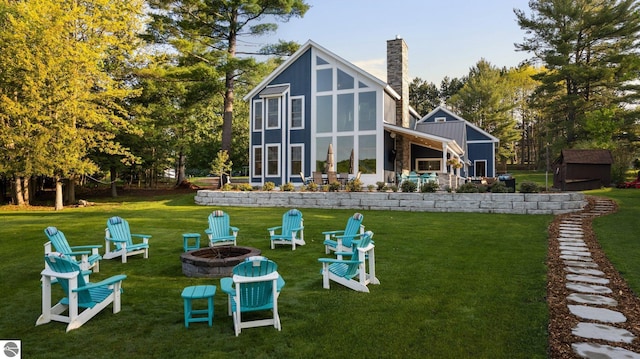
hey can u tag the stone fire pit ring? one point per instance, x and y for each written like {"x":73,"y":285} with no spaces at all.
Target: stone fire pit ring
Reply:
{"x":215,"y":262}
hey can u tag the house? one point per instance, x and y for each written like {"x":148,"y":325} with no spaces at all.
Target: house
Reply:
{"x":316,"y":102}
{"x":578,"y":170}
{"x":478,"y":145}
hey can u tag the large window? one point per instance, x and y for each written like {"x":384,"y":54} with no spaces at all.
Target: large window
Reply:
{"x":345,"y":112}
{"x":297,"y":112}
{"x":257,"y":162}
{"x":296,"y":159}
{"x":345,"y":154}
{"x":324,"y":80}
{"x":428,"y":164}
{"x":273,"y":160}
{"x":273,"y":113}
{"x":324,"y":114}
{"x":367,"y":154}
{"x":257,"y":115}
{"x":367,"y":111}
{"x":322,"y":148}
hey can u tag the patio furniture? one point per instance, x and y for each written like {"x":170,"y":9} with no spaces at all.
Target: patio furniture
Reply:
{"x":255,"y":286}
{"x":86,"y":256}
{"x":187,"y":238}
{"x":118,"y":233}
{"x":83,"y":300}
{"x":189,"y":294}
{"x":291,"y":231}
{"x":317,"y":178}
{"x":352,"y":273}
{"x":340,"y":240}
{"x":332,"y":177}
{"x":220,"y":232}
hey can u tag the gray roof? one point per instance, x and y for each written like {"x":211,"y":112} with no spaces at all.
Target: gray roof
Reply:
{"x":455,"y":130}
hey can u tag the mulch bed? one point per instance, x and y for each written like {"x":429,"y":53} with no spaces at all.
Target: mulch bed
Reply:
{"x":561,"y":321}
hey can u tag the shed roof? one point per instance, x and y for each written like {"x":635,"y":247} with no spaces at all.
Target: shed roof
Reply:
{"x":586,"y":156}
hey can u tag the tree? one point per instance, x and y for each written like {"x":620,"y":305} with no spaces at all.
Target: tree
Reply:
{"x":423,"y":96}
{"x":58,"y":98}
{"x":483,"y":101}
{"x":590,"y":52}
{"x":207,"y":32}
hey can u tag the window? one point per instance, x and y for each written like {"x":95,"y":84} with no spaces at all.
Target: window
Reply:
{"x":324,"y":114}
{"x":296,"y":159}
{"x":297,"y":112}
{"x":345,"y":112}
{"x":345,"y":81}
{"x":367,"y":154}
{"x":428,"y":164}
{"x":273,"y":112}
{"x":273,"y":160}
{"x":257,"y":161}
{"x":322,"y":148}
{"x":344,"y":155}
{"x":440,"y":119}
{"x":367,"y":111}
{"x":324,"y":80}
{"x":257,"y":116}
{"x":480,"y":168}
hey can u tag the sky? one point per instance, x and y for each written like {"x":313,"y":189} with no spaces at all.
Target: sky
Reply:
{"x":444,"y":37}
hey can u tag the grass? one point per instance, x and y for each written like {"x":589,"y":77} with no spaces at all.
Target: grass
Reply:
{"x":453,"y":285}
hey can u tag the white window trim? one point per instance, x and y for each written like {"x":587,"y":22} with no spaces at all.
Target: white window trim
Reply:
{"x":253,"y":163}
{"x":265,"y":157}
{"x":426,"y":159}
{"x":301,"y":98}
{"x":253,"y":117}
{"x":440,"y":119}
{"x":486,"y":168}
{"x":266,"y":113}
{"x":291,"y":146}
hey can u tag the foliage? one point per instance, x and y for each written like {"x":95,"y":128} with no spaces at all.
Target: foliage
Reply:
{"x":312,"y":187}
{"x":408,"y":186}
{"x":354,"y":185}
{"x":381,"y":186}
{"x":334,"y":186}
{"x":529,"y":187}
{"x":499,"y":187}
{"x":429,"y":187}
{"x":269,"y":186}
{"x":393,"y":188}
{"x":370,"y":187}
{"x":244,"y":187}
{"x":468,"y":187}
{"x":426,"y":96}
{"x":227,"y":187}
{"x":288,"y":187}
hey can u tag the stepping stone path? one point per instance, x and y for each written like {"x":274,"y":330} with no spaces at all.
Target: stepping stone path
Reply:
{"x":588,"y":300}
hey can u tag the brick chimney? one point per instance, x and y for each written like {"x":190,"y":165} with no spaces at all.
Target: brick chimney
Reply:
{"x":398,"y":77}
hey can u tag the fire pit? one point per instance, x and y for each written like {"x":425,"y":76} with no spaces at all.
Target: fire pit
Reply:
{"x":215,"y":262}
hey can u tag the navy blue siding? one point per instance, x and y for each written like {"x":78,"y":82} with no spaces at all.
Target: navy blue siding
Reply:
{"x":481,"y":151}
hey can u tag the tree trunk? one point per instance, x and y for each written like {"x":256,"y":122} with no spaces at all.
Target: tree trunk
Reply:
{"x":71,"y":191}
{"x":227,"y":119}
{"x":18,"y":194}
{"x":58,"y":204}
{"x":113,"y":176}
{"x":180,"y":170}
{"x":26,"y":190}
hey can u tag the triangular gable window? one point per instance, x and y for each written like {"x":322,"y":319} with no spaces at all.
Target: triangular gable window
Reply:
{"x":321,"y":61}
{"x":362,"y":85}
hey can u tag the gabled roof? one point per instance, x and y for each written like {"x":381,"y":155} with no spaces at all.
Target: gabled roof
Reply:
{"x":425,"y":138}
{"x":596,"y":157}
{"x":450,"y":113}
{"x":456,"y":130}
{"x":308,"y":45}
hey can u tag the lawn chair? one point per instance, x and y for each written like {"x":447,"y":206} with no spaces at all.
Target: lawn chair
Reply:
{"x":83,"y":300}
{"x":317,"y":178}
{"x":118,"y":233}
{"x":220,"y":232}
{"x":340,"y":240}
{"x":352,"y":273}
{"x":89,"y":259}
{"x":291,"y":230}
{"x":255,"y":286}
{"x":332,"y":177}
{"x":305,"y":180}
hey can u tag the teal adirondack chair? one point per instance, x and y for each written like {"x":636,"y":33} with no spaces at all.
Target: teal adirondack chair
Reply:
{"x":353,"y":272}
{"x":291,"y":231}
{"x":89,"y":258}
{"x":83,"y":300}
{"x":255,"y":286}
{"x":119,"y":234}
{"x":220,"y":232}
{"x":341,"y":240}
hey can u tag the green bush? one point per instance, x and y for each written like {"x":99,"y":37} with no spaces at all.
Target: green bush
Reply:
{"x":409,"y":186}
{"x":334,"y":186}
{"x":355,"y":185}
{"x":245,"y":187}
{"x":393,"y":188}
{"x":288,"y":187}
{"x":381,"y":186}
{"x":312,"y":187}
{"x":429,"y":187}
{"x":529,"y":187}
{"x":227,"y":187}
{"x":468,"y":188}
{"x":500,"y":187}
{"x":269,"y":186}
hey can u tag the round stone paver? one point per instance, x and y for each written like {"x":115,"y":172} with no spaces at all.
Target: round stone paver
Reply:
{"x":592,"y":350}
{"x":587,"y":288}
{"x":592,"y":299}
{"x":604,"y":332}
{"x":599,"y":314}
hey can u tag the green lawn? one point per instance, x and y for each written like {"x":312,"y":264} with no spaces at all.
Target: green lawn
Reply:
{"x":453,"y":285}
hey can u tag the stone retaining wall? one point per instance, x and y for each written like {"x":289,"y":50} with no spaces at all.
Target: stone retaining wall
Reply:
{"x":516,"y":203}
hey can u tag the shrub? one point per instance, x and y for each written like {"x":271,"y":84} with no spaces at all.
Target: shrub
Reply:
{"x":325,"y":188}
{"x":409,"y":186}
{"x":500,"y":187}
{"x":355,"y":185}
{"x":268,"y":186}
{"x":227,"y":187}
{"x":429,"y":187}
{"x":288,"y":187}
{"x":468,"y":188}
{"x":312,"y":187}
{"x":371,"y":187}
{"x":529,"y":187}
{"x":381,"y":186}
{"x":334,"y":186}
{"x":245,"y":187}
{"x":393,"y":188}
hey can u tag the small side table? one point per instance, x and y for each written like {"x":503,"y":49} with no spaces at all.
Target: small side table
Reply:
{"x":198,"y":292}
{"x":185,"y":241}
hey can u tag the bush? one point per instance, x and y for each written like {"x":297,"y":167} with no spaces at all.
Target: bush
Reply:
{"x":288,"y":187}
{"x":393,"y":188}
{"x":500,"y":187}
{"x":409,"y":186}
{"x":529,"y":187}
{"x":355,"y":185}
{"x":269,"y":186}
{"x":245,"y":187}
{"x":429,"y":187}
{"x":312,"y":187}
{"x":381,"y":186}
{"x":468,"y":188}
{"x":227,"y":187}
{"x":334,"y":186}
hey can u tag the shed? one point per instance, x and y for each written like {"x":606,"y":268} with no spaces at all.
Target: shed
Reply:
{"x":577,"y":170}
